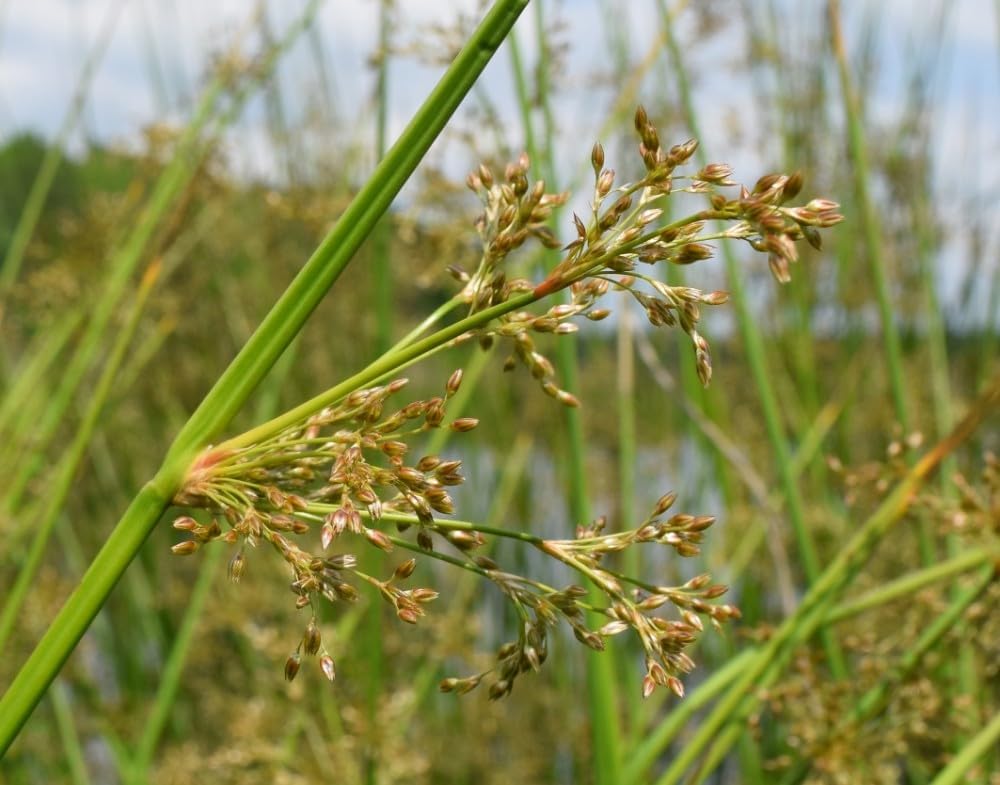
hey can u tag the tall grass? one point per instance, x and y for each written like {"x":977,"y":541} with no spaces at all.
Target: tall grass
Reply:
{"x":866,"y":580}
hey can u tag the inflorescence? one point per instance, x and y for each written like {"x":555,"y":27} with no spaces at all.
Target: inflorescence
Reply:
{"x":343,"y":475}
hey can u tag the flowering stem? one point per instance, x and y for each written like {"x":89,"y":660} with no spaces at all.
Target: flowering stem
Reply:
{"x":408,"y":350}
{"x":261,"y":351}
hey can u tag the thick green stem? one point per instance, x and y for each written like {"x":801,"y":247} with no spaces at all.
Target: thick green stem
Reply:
{"x":83,"y":604}
{"x":249,"y":367}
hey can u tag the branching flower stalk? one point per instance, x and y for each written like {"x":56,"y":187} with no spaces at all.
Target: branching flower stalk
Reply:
{"x":337,"y":466}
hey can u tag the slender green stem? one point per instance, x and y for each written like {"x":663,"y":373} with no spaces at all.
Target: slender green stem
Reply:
{"x":464,"y":592}
{"x":372,"y":560}
{"x":810,"y":614}
{"x":644,"y":755}
{"x":979,"y":746}
{"x":870,"y":223}
{"x":124,"y":261}
{"x":654,"y":743}
{"x":39,"y":192}
{"x":68,"y":735}
{"x":29,"y":375}
{"x":382,"y":260}
{"x":604,"y":721}
{"x":170,"y":678}
{"x":875,"y":699}
{"x":754,"y":345}
{"x":62,"y":483}
{"x":912,"y":582}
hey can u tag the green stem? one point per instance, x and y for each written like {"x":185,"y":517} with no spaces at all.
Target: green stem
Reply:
{"x":372,"y":560}
{"x":68,"y":735}
{"x":39,"y":192}
{"x":232,"y":389}
{"x":124,"y":261}
{"x":978,"y":747}
{"x":173,"y":668}
{"x":870,"y":223}
{"x":911,"y":583}
{"x":754,"y":344}
{"x":605,"y":728}
{"x":62,"y":483}
{"x":29,"y":375}
{"x":810,"y":614}
{"x":874,"y":701}
{"x":643,"y":757}
{"x":83,"y":604}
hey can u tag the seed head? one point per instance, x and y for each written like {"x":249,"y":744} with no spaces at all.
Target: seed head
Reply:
{"x":378,"y":539}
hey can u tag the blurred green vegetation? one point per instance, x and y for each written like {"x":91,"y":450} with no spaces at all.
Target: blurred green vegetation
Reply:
{"x":230,"y":244}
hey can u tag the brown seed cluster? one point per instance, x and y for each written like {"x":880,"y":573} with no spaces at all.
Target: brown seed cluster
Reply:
{"x":338,"y":472}
{"x":541,"y":607}
{"x":344,"y":473}
{"x":342,"y":476}
{"x":624,"y":230}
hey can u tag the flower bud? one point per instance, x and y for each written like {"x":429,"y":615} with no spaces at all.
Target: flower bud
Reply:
{"x":312,"y":638}
{"x":405,"y":570}
{"x":292,"y":666}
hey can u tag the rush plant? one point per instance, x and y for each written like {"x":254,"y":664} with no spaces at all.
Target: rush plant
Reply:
{"x":336,"y":470}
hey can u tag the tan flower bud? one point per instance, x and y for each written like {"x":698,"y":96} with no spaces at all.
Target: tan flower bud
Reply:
{"x":311,"y":639}
{"x":405,"y":570}
{"x":292,"y":666}
{"x":327,"y":666}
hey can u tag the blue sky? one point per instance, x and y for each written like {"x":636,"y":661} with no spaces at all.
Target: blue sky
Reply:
{"x":44,"y":42}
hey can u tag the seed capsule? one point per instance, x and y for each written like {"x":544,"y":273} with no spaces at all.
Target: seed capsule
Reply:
{"x":454,"y":381}
{"x":237,"y":566}
{"x":292,"y":666}
{"x":312,"y":638}
{"x":405,"y":570}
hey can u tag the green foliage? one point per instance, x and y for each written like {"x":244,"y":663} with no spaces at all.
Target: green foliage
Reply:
{"x":864,"y":653}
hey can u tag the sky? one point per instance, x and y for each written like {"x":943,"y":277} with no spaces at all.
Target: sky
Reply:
{"x":156,"y":64}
